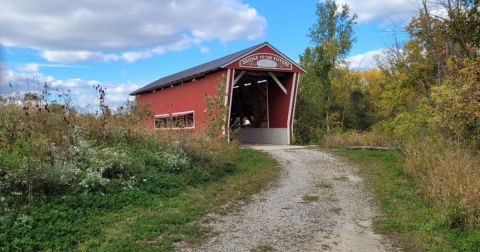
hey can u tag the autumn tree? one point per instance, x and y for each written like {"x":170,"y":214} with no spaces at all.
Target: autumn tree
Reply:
{"x":331,"y":37}
{"x":456,"y":108}
{"x":434,"y":75}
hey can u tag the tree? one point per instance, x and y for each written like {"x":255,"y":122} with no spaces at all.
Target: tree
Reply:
{"x":331,"y":37}
{"x":456,"y":103}
{"x":435,"y":74}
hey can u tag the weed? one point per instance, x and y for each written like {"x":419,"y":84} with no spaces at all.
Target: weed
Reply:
{"x":309,"y":198}
{"x":335,"y":210}
{"x":263,"y":248}
{"x":375,"y":137}
{"x":342,"y":178}
{"x":324,"y":185}
{"x":448,"y":174}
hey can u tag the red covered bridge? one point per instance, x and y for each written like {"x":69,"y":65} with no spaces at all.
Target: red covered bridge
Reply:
{"x":261,"y":89}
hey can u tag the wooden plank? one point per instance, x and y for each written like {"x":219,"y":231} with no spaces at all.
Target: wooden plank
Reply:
{"x":278,"y":82}
{"x":238,"y":77}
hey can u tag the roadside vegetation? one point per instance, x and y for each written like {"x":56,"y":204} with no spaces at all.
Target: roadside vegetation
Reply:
{"x":99,"y":181}
{"x":422,"y":101}
{"x":413,"y":221}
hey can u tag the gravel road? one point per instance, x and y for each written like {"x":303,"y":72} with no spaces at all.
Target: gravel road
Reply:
{"x":318,"y":204}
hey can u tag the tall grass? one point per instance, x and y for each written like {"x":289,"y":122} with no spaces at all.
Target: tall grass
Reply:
{"x":63,"y":172}
{"x":47,"y":148}
{"x":448,"y":174}
{"x":374,"y":138}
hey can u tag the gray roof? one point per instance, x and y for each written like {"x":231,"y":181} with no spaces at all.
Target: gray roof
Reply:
{"x":194,"y":72}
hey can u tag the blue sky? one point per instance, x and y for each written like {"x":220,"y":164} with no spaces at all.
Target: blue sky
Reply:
{"x":124,"y":44}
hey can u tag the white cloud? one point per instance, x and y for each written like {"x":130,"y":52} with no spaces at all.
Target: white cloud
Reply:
{"x":439,"y":12}
{"x":53,"y":65}
{"x":81,"y":91}
{"x":204,"y":49}
{"x":109,"y":30}
{"x":29,"y":68}
{"x":83,"y":56}
{"x":134,"y":56}
{"x":367,"y":60}
{"x":3,"y":69}
{"x":384,"y":11}
{"x":77,"y":56}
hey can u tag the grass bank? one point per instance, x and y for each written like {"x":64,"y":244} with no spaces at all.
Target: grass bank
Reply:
{"x":416,"y":223}
{"x":72,"y":180}
{"x":151,"y":217}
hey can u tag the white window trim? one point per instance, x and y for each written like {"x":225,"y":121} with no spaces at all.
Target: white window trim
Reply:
{"x":174,"y":114}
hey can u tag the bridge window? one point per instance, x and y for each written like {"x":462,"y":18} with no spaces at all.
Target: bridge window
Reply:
{"x":183,"y":120}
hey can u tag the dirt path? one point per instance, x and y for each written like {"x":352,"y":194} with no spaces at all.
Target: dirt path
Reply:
{"x":319,"y":204}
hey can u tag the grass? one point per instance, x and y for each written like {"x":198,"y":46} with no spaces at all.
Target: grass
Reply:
{"x":149,"y":218}
{"x":309,"y":198}
{"x":324,"y":185}
{"x":263,"y":248}
{"x":375,"y":138}
{"x":448,"y":173}
{"x":416,"y":223}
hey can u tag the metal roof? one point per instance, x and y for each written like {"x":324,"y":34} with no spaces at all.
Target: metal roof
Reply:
{"x":193,"y":72}
{"x":203,"y":69}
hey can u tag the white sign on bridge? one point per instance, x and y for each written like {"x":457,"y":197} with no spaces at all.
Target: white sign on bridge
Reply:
{"x":265,"y":60}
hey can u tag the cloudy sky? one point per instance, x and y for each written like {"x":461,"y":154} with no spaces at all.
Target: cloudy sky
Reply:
{"x":125,"y":44}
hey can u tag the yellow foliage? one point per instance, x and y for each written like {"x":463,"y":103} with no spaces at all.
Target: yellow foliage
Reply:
{"x":456,"y":103}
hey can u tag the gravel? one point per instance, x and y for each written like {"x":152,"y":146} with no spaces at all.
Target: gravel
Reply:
{"x":318,"y":204}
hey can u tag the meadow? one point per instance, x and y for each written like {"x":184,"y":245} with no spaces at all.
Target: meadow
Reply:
{"x":99,"y":181}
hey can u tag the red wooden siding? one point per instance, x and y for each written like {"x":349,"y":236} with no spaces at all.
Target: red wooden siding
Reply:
{"x":189,"y":96}
{"x":279,"y":102}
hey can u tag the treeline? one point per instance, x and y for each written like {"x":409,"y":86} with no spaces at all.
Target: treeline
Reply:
{"x":423,"y":99}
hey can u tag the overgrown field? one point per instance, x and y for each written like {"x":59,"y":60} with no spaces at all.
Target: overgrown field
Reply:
{"x":415,"y":221}
{"x":98,"y":181}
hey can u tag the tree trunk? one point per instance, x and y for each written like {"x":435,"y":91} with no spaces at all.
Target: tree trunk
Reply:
{"x":327,"y":110}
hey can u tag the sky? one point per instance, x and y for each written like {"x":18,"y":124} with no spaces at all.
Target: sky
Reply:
{"x":125,"y":44}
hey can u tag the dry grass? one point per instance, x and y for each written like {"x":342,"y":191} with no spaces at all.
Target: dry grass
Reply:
{"x":449,"y":175}
{"x":356,"y":138}
{"x":309,"y":198}
{"x":413,"y":221}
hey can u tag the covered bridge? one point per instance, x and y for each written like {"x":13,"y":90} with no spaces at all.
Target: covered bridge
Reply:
{"x":261,"y":89}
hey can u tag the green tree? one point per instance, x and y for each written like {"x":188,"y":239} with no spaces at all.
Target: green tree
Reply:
{"x":331,"y":37}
